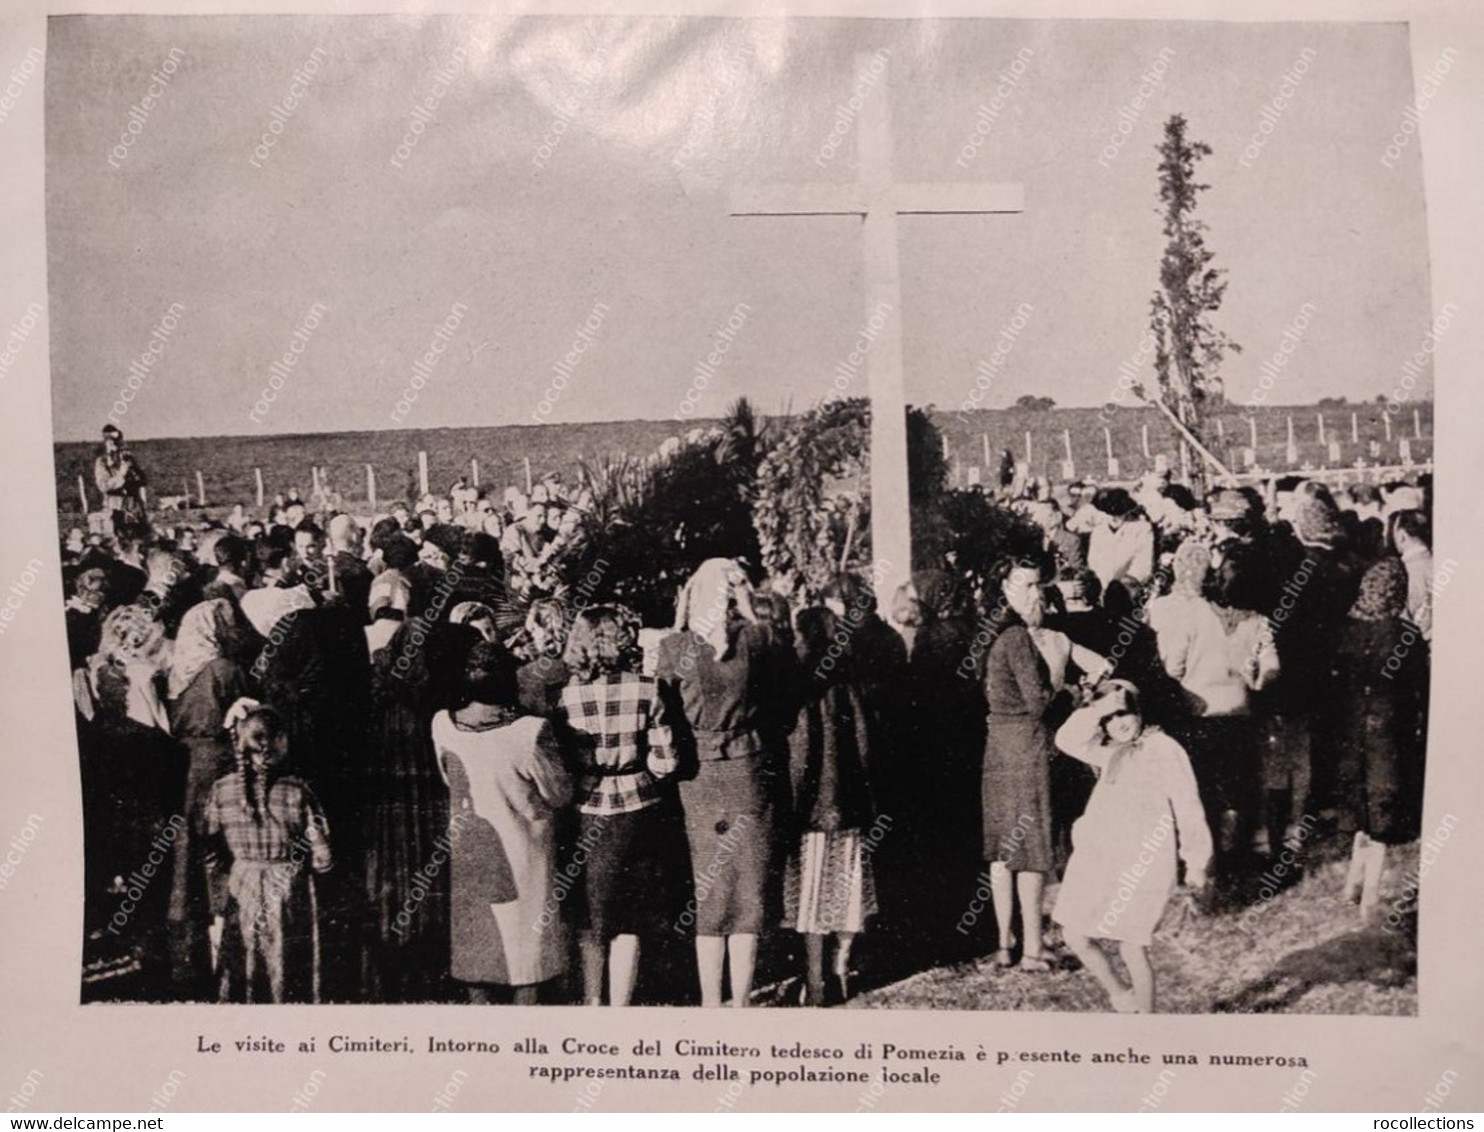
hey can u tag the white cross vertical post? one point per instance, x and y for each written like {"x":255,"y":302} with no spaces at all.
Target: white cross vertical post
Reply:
{"x":878,"y":200}
{"x":257,"y":475}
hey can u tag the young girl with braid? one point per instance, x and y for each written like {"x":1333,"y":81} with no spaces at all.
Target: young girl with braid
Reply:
{"x":263,"y":826}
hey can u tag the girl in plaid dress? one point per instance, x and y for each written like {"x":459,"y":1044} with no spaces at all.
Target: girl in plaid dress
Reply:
{"x":611,"y":727}
{"x":261,"y":827}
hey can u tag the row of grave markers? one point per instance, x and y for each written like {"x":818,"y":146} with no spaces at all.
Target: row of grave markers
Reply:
{"x":319,"y":477}
{"x":1334,"y":449}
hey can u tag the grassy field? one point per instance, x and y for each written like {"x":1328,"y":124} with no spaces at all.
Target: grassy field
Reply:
{"x":1305,"y":951}
{"x":226,"y":463}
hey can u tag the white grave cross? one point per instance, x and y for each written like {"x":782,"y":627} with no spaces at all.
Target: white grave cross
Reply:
{"x":878,"y":200}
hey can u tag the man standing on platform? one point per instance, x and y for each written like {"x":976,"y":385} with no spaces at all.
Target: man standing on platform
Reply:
{"x":120,"y":482}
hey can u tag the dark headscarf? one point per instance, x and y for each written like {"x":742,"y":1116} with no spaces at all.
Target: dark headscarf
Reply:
{"x":940,"y":596}
{"x":1383,"y":592}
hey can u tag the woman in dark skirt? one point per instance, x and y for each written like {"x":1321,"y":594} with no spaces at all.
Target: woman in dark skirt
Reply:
{"x":1017,"y":761}
{"x":405,"y":819}
{"x":1381,"y":671}
{"x":942,"y":764}
{"x":718,"y":674}
{"x":611,"y":728}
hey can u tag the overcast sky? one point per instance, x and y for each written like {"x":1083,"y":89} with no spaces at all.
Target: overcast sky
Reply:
{"x":653,"y":121}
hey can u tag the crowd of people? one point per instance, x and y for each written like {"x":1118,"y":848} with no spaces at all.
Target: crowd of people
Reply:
{"x":321,"y":762}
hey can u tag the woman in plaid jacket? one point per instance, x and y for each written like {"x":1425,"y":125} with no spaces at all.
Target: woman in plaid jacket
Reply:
{"x":611,"y":728}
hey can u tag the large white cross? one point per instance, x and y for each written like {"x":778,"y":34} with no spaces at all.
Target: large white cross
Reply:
{"x":878,"y":201}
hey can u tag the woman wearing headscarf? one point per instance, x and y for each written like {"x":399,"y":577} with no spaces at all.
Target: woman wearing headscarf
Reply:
{"x":388,"y":599}
{"x":718,"y":674}
{"x":1381,"y":675}
{"x":1017,"y":765}
{"x":132,"y":783}
{"x":206,"y":678}
{"x":85,"y":614}
{"x":941,"y":760}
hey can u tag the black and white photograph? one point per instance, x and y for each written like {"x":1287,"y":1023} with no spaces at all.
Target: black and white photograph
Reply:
{"x":912,"y":514}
